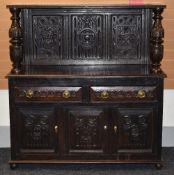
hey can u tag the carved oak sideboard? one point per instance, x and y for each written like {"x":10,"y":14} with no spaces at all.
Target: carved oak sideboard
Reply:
{"x":86,"y":84}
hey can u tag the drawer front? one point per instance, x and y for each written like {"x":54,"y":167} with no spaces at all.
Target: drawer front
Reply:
{"x":67,"y":94}
{"x":113,"y":94}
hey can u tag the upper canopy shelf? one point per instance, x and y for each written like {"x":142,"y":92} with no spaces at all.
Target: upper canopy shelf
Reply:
{"x":92,"y":5}
{"x":86,"y":35}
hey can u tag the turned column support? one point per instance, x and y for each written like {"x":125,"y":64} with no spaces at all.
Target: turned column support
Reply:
{"x":156,"y":42}
{"x":15,"y":33}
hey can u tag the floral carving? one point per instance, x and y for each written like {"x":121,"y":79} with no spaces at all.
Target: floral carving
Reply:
{"x":48,"y":36}
{"x":36,"y":129}
{"x":125,"y":93}
{"x":135,"y":127}
{"x":126,"y":36}
{"x":85,"y":130}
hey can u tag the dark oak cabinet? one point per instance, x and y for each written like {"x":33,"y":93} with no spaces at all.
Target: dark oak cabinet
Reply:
{"x":86,"y":84}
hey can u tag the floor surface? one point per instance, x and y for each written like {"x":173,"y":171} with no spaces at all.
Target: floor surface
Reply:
{"x":88,"y":169}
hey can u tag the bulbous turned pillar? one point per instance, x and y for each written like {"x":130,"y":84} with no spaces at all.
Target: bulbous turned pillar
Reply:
{"x":156,"y":41}
{"x":15,"y":33}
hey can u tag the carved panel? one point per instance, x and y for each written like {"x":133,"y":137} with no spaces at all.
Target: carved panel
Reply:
{"x":85,"y":132}
{"x":126,"y":38}
{"x":135,"y":126}
{"x":48,"y":37}
{"x":36,"y":129}
{"x":87,"y":40}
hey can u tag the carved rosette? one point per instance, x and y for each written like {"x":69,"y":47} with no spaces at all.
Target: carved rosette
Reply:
{"x":157,"y":35}
{"x":87,"y":31}
{"x":15,"y":33}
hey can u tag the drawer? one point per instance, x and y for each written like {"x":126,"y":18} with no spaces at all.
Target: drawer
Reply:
{"x":67,"y":94}
{"x":126,"y":93}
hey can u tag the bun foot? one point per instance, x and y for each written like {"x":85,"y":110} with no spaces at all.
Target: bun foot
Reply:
{"x":13,"y":166}
{"x":159,"y":166}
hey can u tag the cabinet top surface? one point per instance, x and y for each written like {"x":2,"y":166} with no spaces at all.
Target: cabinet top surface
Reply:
{"x":87,"y":6}
{"x":92,"y":71}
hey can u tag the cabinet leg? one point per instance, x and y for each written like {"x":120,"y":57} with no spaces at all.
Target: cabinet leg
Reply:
{"x":13,"y":166}
{"x":159,"y":166}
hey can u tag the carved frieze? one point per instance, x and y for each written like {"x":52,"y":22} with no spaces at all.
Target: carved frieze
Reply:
{"x":123,"y":93}
{"x":51,"y":93}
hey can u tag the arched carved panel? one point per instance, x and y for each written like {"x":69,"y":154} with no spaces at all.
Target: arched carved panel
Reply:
{"x":87,"y":37}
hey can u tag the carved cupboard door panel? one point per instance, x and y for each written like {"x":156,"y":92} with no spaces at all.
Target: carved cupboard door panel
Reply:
{"x":136,"y":130}
{"x":87,"y":131}
{"x":37,"y":133}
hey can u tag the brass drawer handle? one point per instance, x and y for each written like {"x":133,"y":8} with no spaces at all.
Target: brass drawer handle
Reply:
{"x":29,"y":93}
{"x":66,"y":94}
{"x":104,"y":95}
{"x":141,"y":94}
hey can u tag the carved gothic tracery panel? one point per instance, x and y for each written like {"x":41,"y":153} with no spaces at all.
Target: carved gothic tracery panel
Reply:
{"x":48,"y":37}
{"x":87,"y":31}
{"x":126,"y":37}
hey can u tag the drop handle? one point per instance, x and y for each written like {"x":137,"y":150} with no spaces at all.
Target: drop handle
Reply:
{"x":105,"y":127}
{"x":104,"y":95}
{"x":115,"y":128}
{"x":56,"y":129}
{"x":141,"y":93}
{"x":29,"y":93}
{"x":66,"y":94}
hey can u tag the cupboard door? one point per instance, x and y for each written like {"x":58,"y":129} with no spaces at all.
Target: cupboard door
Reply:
{"x":87,"y":131}
{"x":36,"y":136}
{"x":136,"y":132}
